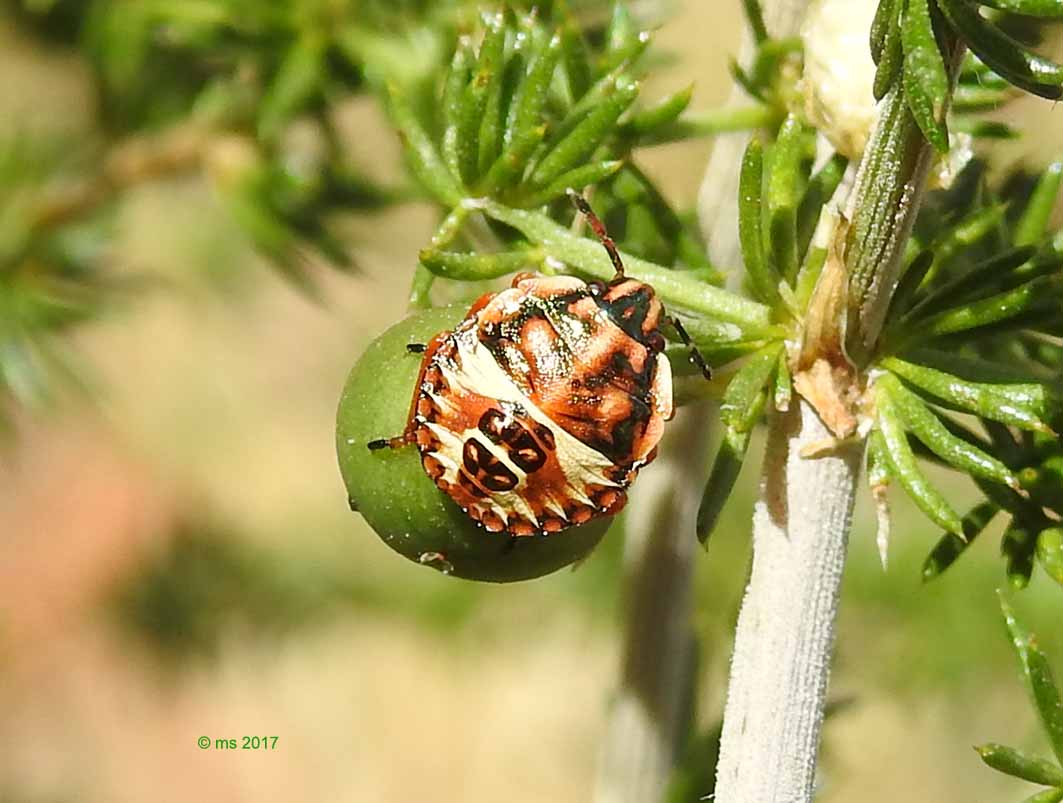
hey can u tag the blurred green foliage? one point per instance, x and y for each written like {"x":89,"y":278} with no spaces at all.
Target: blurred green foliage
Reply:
{"x":1045,"y":695}
{"x":207,"y":582}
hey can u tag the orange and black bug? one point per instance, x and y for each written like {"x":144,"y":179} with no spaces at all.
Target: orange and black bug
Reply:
{"x":537,"y":411}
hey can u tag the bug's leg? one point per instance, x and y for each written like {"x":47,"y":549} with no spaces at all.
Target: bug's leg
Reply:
{"x":406,"y":437}
{"x":388,"y":443}
{"x":599,"y":230}
{"x":695,"y":355}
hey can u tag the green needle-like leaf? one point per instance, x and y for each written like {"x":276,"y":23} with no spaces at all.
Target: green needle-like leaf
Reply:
{"x":298,"y":79}
{"x":476,"y":267}
{"x":1047,"y":796}
{"x":972,"y":230}
{"x":490,"y":74}
{"x":983,"y":277}
{"x":1050,"y":552}
{"x":755,"y":18}
{"x":1039,"y":294}
{"x":994,"y":373}
{"x":967,"y":99}
{"x":1028,"y":8}
{"x":660,"y":114}
{"x":488,"y":69}
{"x":1019,"y":765}
{"x":891,"y":56}
{"x":904,"y":467}
{"x":1021,"y":405}
{"x":709,"y":123}
{"x":578,"y":178}
{"x":926,"y":81}
{"x":421,"y":288}
{"x":820,"y":189}
{"x":1033,"y":225}
{"x":455,"y":150}
{"x":622,"y":31}
{"x":588,"y":134}
{"x":575,"y":57}
{"x":722,"y":478}
{"x":880,"y":28}
{"x":509,"y":167}
{"x":421,"y":154}
{"x":525,"y":115}
{"x":951,"y":546}
{"x":909,"y":284}
{"x":738,"y":409}
{"x":1004,"y":55}
{"x":761,"y":272}
{"x":1038,"y":677}
{"x":769,"y":57}
{"x":927,"y":427}
{"x":792,"y":147}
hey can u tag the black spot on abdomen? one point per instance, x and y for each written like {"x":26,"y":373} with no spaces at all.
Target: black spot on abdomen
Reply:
{"x":520,"y":444}
{"x":485,"y":468}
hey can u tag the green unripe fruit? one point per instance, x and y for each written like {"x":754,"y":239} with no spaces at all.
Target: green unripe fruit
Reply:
{"x":395,"y":496}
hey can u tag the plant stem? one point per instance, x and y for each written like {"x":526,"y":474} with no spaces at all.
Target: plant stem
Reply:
{"x":731,"y":118}
{"x":882,"y":208}
{"x":650,"y":715}
{"x":126,"y":164}
{"x":675,"y":288}
{"x":785,"y":632}
{"x":887,"y":193}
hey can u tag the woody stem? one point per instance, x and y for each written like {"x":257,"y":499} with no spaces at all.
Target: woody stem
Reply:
{"x":781,"y":662}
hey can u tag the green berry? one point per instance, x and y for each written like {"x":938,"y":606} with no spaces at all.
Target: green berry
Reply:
{"x":397,"y":499}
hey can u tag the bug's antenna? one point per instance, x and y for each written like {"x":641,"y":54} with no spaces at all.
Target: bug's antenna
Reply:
{"x":695,"y":355}
{"x":599,"y":229}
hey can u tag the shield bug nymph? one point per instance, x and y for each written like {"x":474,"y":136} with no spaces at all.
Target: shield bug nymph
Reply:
{"x":537,"y":411}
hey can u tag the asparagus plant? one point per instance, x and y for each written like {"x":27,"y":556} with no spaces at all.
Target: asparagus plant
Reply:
{"x":869,"y":309}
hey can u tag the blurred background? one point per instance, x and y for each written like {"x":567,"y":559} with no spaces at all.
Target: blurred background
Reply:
{"x":177,"y":558}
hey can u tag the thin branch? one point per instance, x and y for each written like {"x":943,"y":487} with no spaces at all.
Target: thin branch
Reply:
{"x":126,"y":164}
{"x":882,"y":209}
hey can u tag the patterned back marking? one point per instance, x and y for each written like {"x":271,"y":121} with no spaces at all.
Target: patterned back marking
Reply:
{"x":524,"y":401}
{"x":521,"y":446}
{"x":485,"y":468}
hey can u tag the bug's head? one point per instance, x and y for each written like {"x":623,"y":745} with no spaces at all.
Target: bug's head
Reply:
{"x":634,"y":307}
{"x":631,"y":304}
